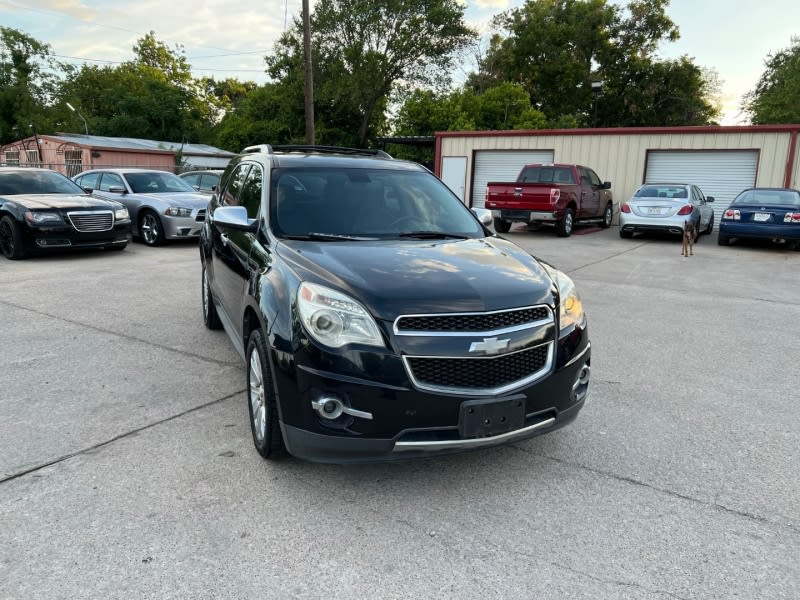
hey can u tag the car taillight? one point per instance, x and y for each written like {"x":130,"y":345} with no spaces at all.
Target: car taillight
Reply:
{"x":625,"y":208}
{"x":555,"y":194}
{"x":791,"y":217}
{"x":686,"y":210}
{"x":732,"y":214}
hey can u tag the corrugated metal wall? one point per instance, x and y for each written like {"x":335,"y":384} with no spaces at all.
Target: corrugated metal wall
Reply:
{"x":620,"y":158}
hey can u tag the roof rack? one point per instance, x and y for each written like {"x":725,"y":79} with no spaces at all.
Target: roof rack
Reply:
{"x":310,"y":148}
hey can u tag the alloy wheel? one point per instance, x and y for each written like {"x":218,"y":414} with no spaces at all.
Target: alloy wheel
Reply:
{"x":149,"y":229}
{"x":6,"y":239}
{"x":257,"y":397}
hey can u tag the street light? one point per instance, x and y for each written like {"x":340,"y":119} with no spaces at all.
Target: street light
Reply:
{"x":72,"y":108}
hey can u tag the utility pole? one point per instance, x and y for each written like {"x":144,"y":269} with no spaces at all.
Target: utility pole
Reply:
{"x":309,"y":74}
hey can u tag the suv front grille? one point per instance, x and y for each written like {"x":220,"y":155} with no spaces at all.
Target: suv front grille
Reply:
{"x":480,"y":375}
{"x":472,"y":322}
{"x":90,"y":221}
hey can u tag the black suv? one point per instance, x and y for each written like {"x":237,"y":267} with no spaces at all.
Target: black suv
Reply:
{"x":377,"y":316}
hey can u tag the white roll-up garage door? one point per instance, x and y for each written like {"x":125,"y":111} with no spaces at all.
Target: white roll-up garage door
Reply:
{"x":501,"y":165}
{"x":721,"y":174}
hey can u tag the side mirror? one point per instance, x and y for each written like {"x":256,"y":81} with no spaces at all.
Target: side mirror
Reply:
{"x":117,"y":189}
{"x":484,"y":216}
{"x":709,"y":198}
{"x":86,"y":189}
{"x":234,"y":217}
{"x":606,"y":185}
{"x":196,"y":188}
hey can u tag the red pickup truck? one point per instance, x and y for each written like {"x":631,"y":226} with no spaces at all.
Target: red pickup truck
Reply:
{"x":557,"y":194}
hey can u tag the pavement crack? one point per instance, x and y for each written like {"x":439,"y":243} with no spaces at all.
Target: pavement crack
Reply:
{"x":713,"y":505}
{"x":121,"y":335}
{"x":122,"y":436}
{"x":607,"y":258}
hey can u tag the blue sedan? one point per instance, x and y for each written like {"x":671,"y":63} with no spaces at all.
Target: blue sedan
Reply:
{"x":766,"y":213}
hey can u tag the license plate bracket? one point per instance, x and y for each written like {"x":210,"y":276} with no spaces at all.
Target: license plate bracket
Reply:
{"x":761,"y":217}
{"x":484,"y":418}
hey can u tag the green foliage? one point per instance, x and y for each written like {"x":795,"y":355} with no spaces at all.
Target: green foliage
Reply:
{"x":27,"y":86}
{"x":776,"y":97}
{"x":362,"y":50}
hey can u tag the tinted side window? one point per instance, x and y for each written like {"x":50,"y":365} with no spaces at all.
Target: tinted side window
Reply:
{"x":110,"y":180}
{"x":594,"y":178}
{"x":585,"y":177}
{"x":250,"y":194}
{"x":89,"y":180}
{"x":191,"y":179}
{"x":230,"y":195}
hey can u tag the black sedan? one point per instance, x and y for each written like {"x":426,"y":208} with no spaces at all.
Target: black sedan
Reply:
{"x":42,"y":210}
{"x":767,"y":213}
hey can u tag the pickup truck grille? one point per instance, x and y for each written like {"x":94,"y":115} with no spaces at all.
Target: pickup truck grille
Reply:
{"x":85,"y":221}
{"x":480,"y":375}
{"x":472,"y":322}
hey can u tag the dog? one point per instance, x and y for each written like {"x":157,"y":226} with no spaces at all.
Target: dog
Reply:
{"x":689,"y":235}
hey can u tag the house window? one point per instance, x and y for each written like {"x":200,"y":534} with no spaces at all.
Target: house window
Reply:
{"x":32,"y":157}
{"x":73,"y":160}
{"x":12,"y":157}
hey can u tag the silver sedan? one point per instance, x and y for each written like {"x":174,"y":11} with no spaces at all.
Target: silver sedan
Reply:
{"x":665,"y":208}
{"x":162,"y":206}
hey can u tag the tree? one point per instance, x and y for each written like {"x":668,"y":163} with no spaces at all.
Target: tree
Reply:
{"x":26,"y":86}
{"x":556,"y":48}
{"x":776,"y":97}
{"x":364,"y":49}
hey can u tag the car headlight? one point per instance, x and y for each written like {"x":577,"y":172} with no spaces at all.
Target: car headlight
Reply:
{"x":121,"y":214}
{"x":43,"y":218}
{"x":570,"y":310}
{"x":335,"y":319}
{"x":177,"y":211}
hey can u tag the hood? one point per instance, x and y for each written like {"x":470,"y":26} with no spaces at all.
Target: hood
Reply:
{"x":394,"y":277}
{"x":61,"y":201}
{"x":182,"y":199}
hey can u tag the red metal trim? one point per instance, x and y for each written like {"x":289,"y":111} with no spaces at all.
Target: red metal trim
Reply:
{"x":787,"y":175}
{"x":699,"y":129}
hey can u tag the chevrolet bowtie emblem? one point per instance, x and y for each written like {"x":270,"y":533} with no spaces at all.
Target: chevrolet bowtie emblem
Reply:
{"x":489,"y":345}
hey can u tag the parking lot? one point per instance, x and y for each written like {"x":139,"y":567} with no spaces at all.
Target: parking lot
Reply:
{"x":127,"y":468}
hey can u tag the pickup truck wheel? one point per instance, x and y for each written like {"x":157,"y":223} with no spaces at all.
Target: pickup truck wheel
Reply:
{"x":564,"y":226}
{"x":608,"y":216}
{"x":210,"y":316}
{"x":501,"y":225}
{"x":262,"y":403}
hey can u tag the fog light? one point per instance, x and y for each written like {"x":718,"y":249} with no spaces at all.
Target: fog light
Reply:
{"x":328,"y":407}
{"x":581,"y":386}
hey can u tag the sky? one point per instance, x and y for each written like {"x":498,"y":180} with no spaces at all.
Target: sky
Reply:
{"x":228,"y":38}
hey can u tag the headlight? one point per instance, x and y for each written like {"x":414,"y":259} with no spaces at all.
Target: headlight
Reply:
{"x":176,"y":211}
{"x":43,"y":218}
{"x":121,"y":214}
{"x":335,"y":319}
{"x":571,"y":309}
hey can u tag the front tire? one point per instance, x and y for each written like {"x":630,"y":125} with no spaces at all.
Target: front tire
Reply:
{"x":262,"y":403}
{"x":502,"y":226}
{"x":608,"y":216}
{"x":150,"y":229}
{"x":11,"y":239}
{"x":565,"y":225}
{"x":210,"y":316}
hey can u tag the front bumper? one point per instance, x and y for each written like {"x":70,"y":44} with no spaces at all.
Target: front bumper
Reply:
{"x":407,"y":422}
{"x":61,"y":237}
{"x":179,"y":228}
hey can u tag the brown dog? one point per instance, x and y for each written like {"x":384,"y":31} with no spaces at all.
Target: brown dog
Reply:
{"x":689,"y":235}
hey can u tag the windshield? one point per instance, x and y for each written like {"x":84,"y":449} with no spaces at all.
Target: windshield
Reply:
{"x":662,"y":191}
{"x":37,"y":182}
{"x":156,"y":182}
{"x":366,"y":203}
{"x":782,"y":197}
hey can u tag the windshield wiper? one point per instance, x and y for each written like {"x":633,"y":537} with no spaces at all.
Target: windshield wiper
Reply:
{"x":433,"y":235}
{"x":328,"y":237}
